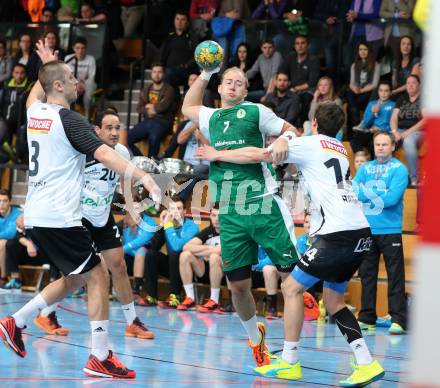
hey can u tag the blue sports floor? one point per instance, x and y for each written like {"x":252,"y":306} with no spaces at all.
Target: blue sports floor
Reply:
{"x":190,"y":349}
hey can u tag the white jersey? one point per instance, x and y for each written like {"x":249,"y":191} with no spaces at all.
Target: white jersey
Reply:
{"x":99,"y":189}
{"x":324,"y":169}
{"x":58,"y":141}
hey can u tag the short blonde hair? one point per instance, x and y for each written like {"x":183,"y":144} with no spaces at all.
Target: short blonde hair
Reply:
{"x":237,"y":69}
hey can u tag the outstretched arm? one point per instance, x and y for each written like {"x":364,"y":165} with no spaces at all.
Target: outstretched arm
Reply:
{"x":245,"y":155}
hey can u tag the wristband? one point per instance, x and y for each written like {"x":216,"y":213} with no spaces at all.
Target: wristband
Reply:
{"x":205,"y":75}
{"x":168,"y":225}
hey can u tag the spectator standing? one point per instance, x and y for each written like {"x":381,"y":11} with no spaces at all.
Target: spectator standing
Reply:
{"x":177,"y":53}
{"x":27,"y":57}
{"x":157,"y":103}
{"x":176,"y":231}
{"x":381,"y":186}
{"x":407,"y":123}
{"x":270,"y":9}
{"x":202,"y":256}
{"x":403,"y":66}
{"x":363,"y":15}
{"x":303,"y":70}
{"x":286,"y":103}
{"x":83,"y":67}
{"x":132,"y":12}
{"x":8,"y":218}
{"x":377,"y":117}
{"x":266,"y":65}
{"x":5,"y":64}
{"x":399,"y":23}
{"x":364,"y":78}
{"x":201,"y":14}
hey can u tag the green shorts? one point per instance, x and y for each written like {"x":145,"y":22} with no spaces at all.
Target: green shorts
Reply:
{"x":240,"y":236}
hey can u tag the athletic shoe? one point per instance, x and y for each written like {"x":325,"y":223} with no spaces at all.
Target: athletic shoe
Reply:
{"x":110,"y":367}
{"x":13,"y":284}
{"x":148,"y":301}
{"x":228,"y":309}
{"x":50,"y":324}
{"x":384,"y":321}
{"x":311,"y":307}
{"x":366,"y":326}
{"x":364,"y":375}
{"x":280,"y":369}
{"x":209,"y":307}
{"x":187,"y":304}
{"x":396,"y":329}
{"x":260,"y":352}
{"x":138,"y":330}
{"x":11,"y":336}
{"x":272,"y":313}
{"x":170,"y":303}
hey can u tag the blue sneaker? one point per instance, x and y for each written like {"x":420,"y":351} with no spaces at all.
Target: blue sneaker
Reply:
{"x":396,"y":329}
{"x":384,"y":321}
{"x":13,"y":284}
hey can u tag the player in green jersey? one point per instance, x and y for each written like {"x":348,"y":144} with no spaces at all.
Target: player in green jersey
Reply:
{"x":251,"y":211}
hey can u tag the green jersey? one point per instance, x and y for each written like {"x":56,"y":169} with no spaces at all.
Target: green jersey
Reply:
{"x":245,"y":125}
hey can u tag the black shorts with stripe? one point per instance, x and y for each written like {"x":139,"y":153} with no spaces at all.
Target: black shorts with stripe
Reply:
{"x":104,"y":237}
{"x":70,"y":250}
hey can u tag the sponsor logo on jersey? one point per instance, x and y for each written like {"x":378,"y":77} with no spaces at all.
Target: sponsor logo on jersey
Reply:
{"x":39,"y":126}
{"x":333,"y":146}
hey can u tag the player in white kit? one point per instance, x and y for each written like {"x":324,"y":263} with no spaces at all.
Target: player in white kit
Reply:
{"x":96,"y":199}
{"x":341,"y":237}
{"x":59,"y":140}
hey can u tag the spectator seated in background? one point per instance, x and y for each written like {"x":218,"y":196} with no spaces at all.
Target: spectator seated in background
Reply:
{"x":177,"y":53}
{"x":27,"y":57}
{"x":88,"y":13}
{"x":360,"y":158}
{"x":381,"y":185}
{"x":83,"y":67}
{"x":176,"y":230}
{"x":13,"y":100}
{"x":265,"y":274}
{"x":266,"y":66}
{"x":403,"y":66}
{"x":201,"y":256}
{"x":201,"y":14}
{"x":157,"y":102}
{"x":286,"y":103}
{"x":324,"y":94}
{"x":135,"y":238}
{"x":377,"y":117}
{"x":5,"y":65}
{"x":303,"y":70}
{"x":47,"y":15}
{"x":407,"y":123}
{"x":364,"y":78}
{"x":8,"y":231}
{"x":20,"y":250}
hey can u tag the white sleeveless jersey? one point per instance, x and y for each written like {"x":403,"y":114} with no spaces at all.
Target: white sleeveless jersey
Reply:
{"x":99,"y":188}
{"x":324,"y":170}
{"x":55,"y":166}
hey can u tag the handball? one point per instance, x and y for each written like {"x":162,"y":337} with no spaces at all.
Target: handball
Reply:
{"x":208,"y":55}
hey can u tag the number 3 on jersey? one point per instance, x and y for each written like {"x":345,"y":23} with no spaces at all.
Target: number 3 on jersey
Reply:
{"x":34,"y":158}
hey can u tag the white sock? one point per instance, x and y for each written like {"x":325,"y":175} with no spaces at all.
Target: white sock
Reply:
{"x":290,"y":352}
{"x":361,"y":352}
{"x":31,"y":308}
{"x":99,"y":339}
{"x":49,"y":309}
{"x":189,"y":290}
{"x":252,"y":330}
{"x":215,"y":294}
{"x":129,"y":312}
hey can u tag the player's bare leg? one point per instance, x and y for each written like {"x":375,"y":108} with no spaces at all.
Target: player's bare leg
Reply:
{"x":188,"y":266}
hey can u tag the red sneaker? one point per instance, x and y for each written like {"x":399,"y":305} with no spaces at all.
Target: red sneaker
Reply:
{"x":209,"y":307}
{"x":187,"y":304}
{"x":138,"y":330}
{"x":11,"y":336}
{"x":110,"y":367}
{"x":259,"y":351}
{"x":50,"y":324}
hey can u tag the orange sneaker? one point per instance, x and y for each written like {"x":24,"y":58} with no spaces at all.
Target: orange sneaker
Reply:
{"x":209,"y":307}
{"x":138,"y":330}
{"x":311,"y":307}
{"x":110,"y":367}
{"x":260,"y":352}
{"x":187,"y":304}
{"x":50,"y":324}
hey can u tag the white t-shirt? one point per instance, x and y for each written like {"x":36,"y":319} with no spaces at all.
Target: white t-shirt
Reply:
{"x":324,"y":170}
{"x":99,"y":189}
